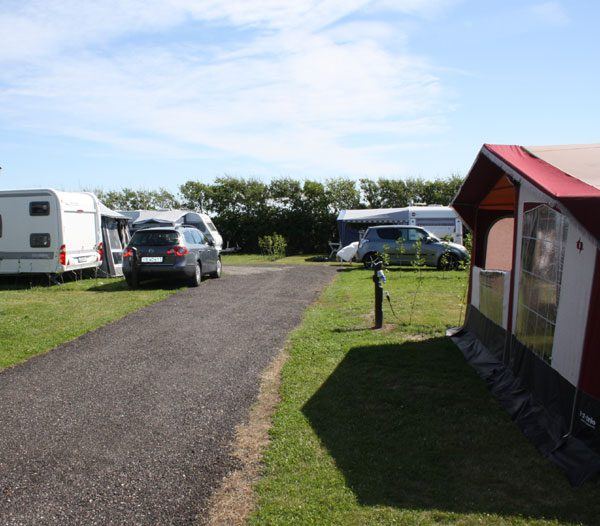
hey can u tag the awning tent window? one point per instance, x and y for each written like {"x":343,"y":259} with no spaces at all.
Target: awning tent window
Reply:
{"x":499,"y":245}
{"x":491,"y":295}
{"x":542,"y":256}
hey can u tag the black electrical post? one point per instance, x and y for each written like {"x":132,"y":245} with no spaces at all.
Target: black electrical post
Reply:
{"x":378,"y":294}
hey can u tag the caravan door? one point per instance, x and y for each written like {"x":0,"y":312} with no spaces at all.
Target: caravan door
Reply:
{"x":80,"y":221}
{"x":112,"y":234}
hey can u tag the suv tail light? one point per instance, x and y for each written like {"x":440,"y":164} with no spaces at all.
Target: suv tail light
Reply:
{"x":62,"y":255}
{"x":178,"y":251}
{"x":100,"y":250}
{"x":128,"y":253}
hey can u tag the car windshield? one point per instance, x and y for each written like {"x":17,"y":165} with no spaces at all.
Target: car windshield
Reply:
{"x":155,"y":238}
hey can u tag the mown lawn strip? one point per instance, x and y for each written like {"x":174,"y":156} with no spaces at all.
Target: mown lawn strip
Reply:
{"x":35,"y":319}
{"x":393,"y":427}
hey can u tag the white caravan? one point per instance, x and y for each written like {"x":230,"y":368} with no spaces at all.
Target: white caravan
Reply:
{"x":48,"y":232}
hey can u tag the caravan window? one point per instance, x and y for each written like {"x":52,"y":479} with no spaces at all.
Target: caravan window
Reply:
{"x":211,"y":226}
{"x":39,"y":208}
{"x":542,"y":256}
{"x":39,"y":240}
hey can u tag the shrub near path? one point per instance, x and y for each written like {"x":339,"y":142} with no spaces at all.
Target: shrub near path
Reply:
{"x":393,"y":427}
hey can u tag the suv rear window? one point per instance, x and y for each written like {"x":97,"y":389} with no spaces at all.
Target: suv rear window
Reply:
{"x":389,"y":233}
{"x":155,"y":238}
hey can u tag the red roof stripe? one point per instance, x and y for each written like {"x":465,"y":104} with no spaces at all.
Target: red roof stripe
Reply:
{"x":546,"y":177}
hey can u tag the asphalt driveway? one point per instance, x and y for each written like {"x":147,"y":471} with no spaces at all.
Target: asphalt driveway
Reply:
{"x":131,"y":424}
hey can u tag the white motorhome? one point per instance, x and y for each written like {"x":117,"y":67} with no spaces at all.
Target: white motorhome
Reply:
{"x":149,"y":218}
{"x":48,"y":232}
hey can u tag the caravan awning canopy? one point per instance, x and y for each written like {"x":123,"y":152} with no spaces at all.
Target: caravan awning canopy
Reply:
{"x":373,"y":215}
{"x":568,"y":174}
{"x":107,"y":212}
{"x":392,"y":215}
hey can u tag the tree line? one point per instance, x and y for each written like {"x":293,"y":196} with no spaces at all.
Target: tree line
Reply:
{"x":303,"y":212}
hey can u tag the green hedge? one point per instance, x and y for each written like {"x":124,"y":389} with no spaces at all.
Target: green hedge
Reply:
{"x":303,"y":212}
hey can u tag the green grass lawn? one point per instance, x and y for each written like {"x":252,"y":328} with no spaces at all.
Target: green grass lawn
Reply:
{"x":393,"y":427}
{"x":35,"y":319}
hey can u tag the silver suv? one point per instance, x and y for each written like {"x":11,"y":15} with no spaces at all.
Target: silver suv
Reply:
{"x":170,"y":252}
{"x":401,"y":244}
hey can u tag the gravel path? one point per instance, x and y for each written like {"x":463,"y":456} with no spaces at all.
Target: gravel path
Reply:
{"x":131,"y":423}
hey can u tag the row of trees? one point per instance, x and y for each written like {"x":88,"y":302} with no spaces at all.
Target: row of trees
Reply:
{"x":304,"y":212}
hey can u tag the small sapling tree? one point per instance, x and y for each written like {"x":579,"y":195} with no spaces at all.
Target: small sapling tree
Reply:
{"x":273,"y":246}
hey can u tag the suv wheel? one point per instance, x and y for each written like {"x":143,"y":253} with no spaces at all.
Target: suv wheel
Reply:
{"x":196,"y":279}
{"x":217,"y":273}
{"x":371,"y":259}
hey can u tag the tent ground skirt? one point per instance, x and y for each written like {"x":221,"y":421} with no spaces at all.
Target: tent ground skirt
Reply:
{"x":541,"y":413}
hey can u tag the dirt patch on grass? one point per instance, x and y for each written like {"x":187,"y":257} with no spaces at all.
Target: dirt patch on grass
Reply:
{"x":235,"y":500}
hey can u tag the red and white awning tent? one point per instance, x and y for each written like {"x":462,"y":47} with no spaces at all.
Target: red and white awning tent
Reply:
{"x":534,"y":292}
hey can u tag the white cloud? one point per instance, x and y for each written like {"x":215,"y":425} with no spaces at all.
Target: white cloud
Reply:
{"x":551,"y":13}
{"x":289,"y":92}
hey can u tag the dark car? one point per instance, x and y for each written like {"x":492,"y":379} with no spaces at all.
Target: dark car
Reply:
{"x":178,"y":252}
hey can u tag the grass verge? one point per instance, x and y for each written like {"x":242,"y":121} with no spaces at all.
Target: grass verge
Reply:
{"x":393,"y":427}
{"x":234,"y":500}
{"x":36,"y":319}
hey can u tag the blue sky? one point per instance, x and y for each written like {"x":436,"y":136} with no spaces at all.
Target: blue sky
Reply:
{"x":148,"y":93}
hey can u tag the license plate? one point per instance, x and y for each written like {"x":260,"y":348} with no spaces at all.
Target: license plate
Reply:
{"x":152,"y":260}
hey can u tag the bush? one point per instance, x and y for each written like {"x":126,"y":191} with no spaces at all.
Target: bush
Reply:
{"x":468,"y":244}
{"x":272,"y":246}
